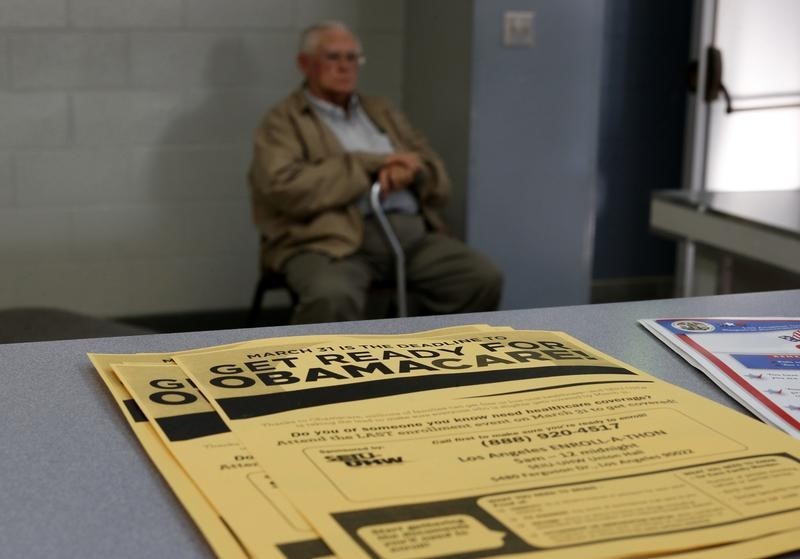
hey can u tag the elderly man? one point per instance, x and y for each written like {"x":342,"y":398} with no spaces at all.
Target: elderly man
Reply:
{"x":316,"y":155}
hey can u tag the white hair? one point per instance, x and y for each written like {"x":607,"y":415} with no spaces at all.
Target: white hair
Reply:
{"x":309,"y":38}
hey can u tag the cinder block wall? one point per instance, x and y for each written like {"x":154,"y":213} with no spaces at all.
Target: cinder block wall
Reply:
{"x":125,"y":130}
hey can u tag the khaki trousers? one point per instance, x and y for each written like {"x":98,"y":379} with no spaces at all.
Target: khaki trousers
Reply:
{"x":444,"y":274}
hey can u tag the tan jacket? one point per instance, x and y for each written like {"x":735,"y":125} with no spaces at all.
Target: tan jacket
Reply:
{"x":305,"y":188}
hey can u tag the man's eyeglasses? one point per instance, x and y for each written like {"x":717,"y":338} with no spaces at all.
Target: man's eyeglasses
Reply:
{"x":352,"y":57}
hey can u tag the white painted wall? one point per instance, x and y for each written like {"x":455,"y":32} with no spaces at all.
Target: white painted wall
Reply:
{"x":437,"y":89}
{"x":125,"y":129}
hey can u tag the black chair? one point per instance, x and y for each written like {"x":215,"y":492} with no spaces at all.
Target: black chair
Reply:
{"x":268,"y":281}
{"x":271,"y":280}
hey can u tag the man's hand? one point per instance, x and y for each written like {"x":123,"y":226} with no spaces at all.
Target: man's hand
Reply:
{"x":399,"y":171}
{"x":407,"y":159}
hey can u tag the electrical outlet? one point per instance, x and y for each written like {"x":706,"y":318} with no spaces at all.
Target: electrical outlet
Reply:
{"x":518,"y":28}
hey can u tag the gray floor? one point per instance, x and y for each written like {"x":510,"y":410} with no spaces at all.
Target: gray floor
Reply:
{"x":42,"y":324}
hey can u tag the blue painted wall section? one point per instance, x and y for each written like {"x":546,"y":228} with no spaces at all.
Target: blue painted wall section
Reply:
{"x":533,"y":148}
{"x":643,"y":107}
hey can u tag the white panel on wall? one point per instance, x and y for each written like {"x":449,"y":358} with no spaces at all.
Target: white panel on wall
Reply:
{"x":239,"y":13}
{"x":131,"y":13}
{"x":34,"y":235}
{"x":33,"y":119}
{"x":271,"y":59}
{"x":187,"y":173}
{"x":141,"y":118}
{"x":73,"y":178}
{"x":382,"y":15}
{"x":220,"y":228}
{"x":760,"y":45}
{"x":222,"y":116}
{"x":5,"y":61}
{"x":103,"y":118}
{"x":33,"y":13}
{"x":68,"y":60}
{"x":192,"y":59}
{"x":7,"y":192}
{"x":128,"y":232}
{"x":126,"y":131}
{"x":134,"y":286}
{"x":383,"y":72}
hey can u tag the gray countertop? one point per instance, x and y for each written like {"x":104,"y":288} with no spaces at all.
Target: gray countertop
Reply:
{"x":76,"y":483}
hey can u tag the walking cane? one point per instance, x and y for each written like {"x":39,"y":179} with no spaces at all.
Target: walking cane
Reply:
{"x":399,"y":256}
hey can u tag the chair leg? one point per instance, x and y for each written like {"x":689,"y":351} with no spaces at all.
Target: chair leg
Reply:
{"x":255,"y":306}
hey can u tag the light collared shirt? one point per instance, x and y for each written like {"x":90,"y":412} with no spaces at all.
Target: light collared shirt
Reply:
{"x":356,"y":132}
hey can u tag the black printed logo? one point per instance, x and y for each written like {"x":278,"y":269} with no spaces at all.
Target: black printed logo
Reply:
{"x":361,"y":459}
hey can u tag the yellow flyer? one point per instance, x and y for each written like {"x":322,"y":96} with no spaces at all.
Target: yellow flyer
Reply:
{"x":502,"y":443}
{"x":235,"y":484}
{"x":217,"y":534}
{"x":215,"y":530}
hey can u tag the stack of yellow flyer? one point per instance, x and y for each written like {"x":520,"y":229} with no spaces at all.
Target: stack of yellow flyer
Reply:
{"x":473,"y":441}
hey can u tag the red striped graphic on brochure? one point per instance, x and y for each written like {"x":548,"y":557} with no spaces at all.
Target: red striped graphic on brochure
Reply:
{"x":749,"y":388}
